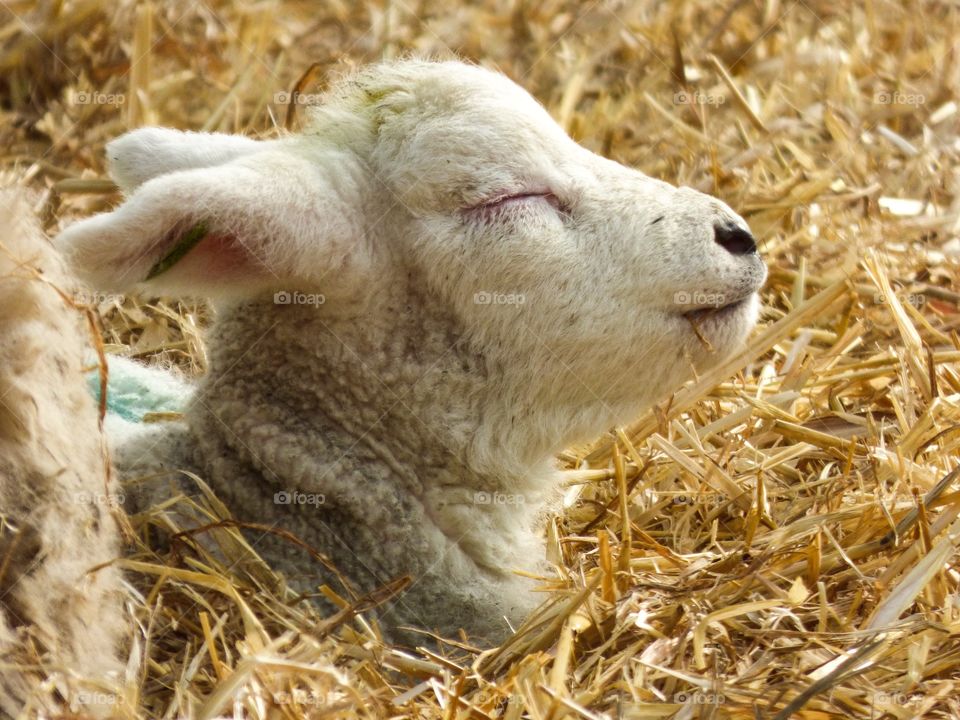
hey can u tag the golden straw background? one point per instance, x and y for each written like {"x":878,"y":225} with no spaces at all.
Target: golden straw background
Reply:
{"x":778,"y":539}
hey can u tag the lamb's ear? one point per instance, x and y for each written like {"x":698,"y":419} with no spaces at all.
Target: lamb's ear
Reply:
{"x":149,"y":152}
{"x":267,"y":220}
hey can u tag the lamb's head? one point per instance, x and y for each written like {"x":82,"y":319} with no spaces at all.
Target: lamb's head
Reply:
{"x":606,"y":282}
{"x":588,"y":288}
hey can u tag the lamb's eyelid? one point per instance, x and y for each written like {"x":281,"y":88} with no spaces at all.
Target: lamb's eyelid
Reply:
{"x":499,"y":199}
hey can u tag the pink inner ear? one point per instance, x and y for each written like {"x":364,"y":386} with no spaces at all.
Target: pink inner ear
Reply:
{"x":217,"y":257}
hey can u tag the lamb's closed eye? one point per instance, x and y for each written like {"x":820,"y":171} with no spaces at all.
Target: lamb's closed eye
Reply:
{"x":500,"y":204}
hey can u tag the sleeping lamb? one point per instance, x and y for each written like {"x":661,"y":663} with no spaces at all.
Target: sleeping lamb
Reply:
{"x":420,"y":300}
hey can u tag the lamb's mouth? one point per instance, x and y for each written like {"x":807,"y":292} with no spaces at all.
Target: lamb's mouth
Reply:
{"x":717,"y":312}
{"x":709,"y":318}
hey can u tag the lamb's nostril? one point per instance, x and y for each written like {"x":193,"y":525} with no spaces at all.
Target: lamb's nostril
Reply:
{"x":734,"y":239}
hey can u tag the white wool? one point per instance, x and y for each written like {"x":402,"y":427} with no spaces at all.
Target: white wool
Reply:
{"x":469,"y":291}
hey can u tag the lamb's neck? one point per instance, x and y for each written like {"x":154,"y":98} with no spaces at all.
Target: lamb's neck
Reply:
{"x":303,"y":393}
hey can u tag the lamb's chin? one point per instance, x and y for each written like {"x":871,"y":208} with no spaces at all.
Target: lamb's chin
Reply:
{"x":716,"y":333}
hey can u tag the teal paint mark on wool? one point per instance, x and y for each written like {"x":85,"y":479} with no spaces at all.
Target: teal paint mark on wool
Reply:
{"x":133,"y":390}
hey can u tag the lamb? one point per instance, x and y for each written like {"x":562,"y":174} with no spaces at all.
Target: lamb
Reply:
{"x":420,"y":299}
{"x":60,"y":601}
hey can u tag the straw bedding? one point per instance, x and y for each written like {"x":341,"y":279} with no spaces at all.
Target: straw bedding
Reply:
{"x":776,"y":539}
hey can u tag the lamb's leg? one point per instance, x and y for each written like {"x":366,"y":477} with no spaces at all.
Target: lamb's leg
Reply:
{"x":60,"y":611}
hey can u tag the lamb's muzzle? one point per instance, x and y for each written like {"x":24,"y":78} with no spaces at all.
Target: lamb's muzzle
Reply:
{"x":421,"y":299}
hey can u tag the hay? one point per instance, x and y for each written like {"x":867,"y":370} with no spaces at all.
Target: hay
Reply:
{"x":775,"y":542}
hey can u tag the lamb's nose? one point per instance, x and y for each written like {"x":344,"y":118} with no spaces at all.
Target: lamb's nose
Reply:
{"x":734,"y":239}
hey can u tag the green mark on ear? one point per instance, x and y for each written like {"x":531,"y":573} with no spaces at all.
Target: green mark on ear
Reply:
{"x":375,"y":96}
{"x":188,"y":242}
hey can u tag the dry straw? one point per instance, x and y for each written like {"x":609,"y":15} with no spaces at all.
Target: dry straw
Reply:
{"x":777,"y":539}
